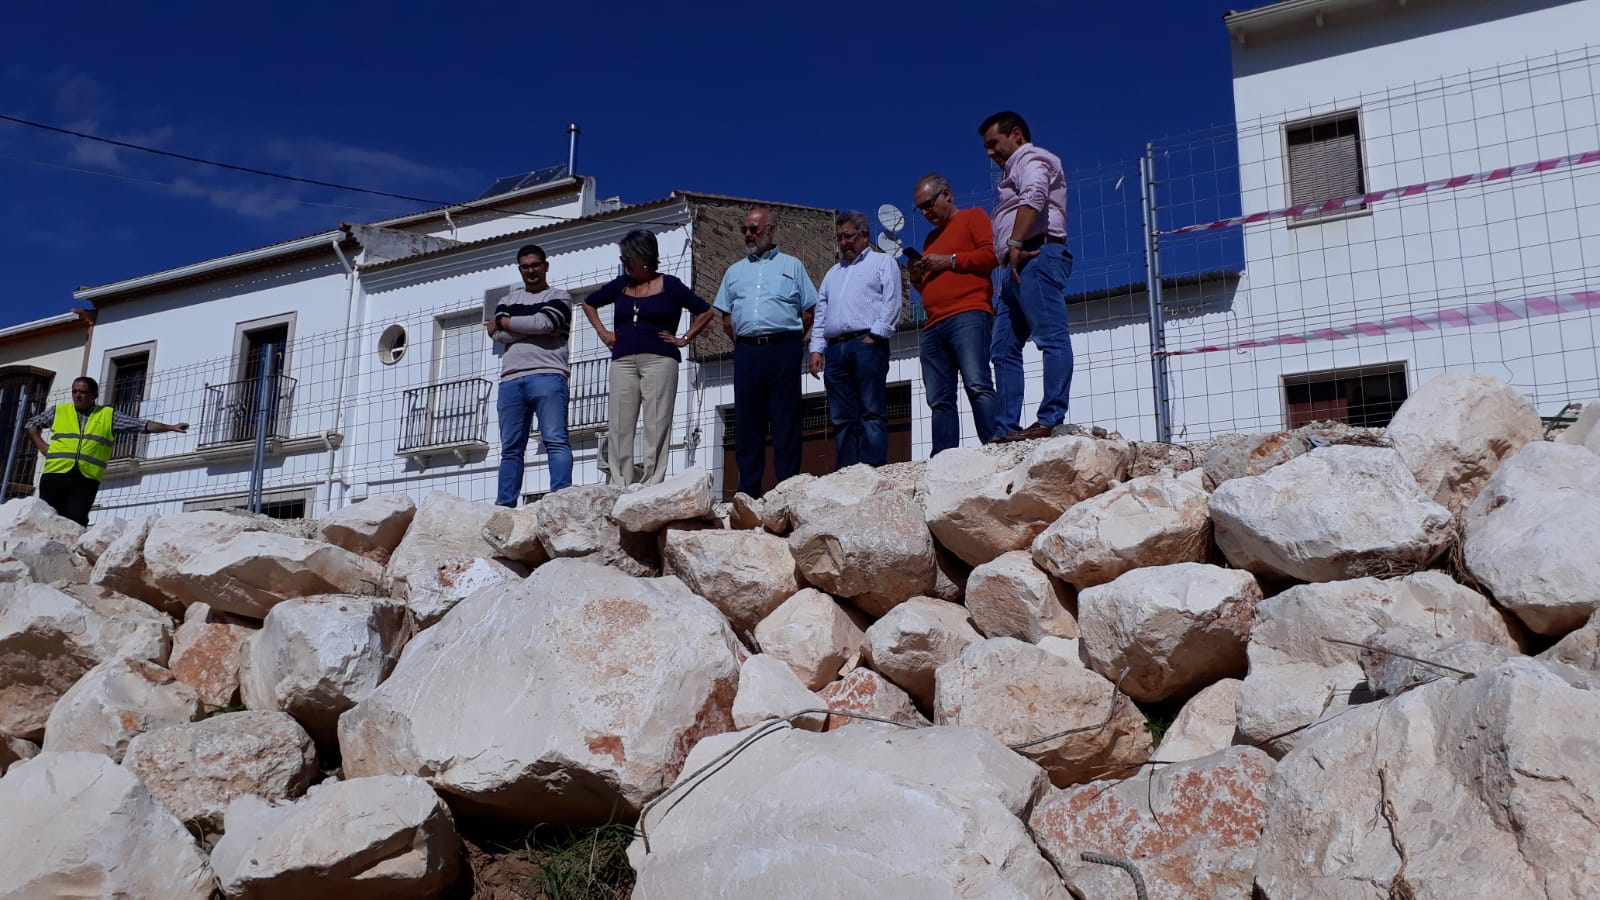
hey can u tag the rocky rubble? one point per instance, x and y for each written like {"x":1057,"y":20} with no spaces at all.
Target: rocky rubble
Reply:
{"x":1335,"y":628}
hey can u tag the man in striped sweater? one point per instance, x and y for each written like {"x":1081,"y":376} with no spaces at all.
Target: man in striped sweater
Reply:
{"x":532,"y":325}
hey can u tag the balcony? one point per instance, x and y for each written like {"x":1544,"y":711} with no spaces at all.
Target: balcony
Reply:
{"x":230,"y":414}
{"x":589,"y":395}
{"x":450,"y":417}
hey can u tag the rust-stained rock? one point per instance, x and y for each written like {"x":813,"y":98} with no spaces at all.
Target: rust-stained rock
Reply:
{"x":1192,"y":829}
{"x":867,"y":693}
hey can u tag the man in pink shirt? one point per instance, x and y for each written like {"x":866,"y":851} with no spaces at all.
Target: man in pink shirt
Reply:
{"x":1030,"y":238}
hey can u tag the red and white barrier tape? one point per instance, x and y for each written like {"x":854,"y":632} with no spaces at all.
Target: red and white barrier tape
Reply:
{"x":1410,"y":190}
{"x":1489,"y":313}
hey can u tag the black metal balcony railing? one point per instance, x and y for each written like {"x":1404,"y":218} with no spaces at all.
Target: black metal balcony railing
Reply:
{"x":450,"y":414}
{"x":589,"y":394}
{"x":231,"y":411}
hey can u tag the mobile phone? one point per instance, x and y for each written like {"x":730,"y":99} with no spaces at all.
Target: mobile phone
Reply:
{"x":912,"y":254}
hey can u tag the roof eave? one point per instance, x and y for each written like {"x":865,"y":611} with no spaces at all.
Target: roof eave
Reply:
{"x":564,"y":185}
{"x":232,"y":262}
{"x":1289,"y":16}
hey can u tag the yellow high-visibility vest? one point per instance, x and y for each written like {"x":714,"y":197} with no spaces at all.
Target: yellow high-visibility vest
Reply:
{"x":89,"y":450}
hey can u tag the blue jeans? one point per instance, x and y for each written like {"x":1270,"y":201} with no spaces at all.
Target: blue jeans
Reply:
{"x":519,"y":400}
{"x":1035,"y":309}
{"x":959,"y":344}
{"x":855,"y":373}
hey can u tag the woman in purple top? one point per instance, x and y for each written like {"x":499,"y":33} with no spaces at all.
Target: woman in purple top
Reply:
{"x":644,"y":355}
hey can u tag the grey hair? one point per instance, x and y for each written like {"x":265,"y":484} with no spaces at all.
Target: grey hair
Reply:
{"x":772,"y":214}
{"x":854,"y":217}
{"x":640,"y":245}
{"x":935,"y":180}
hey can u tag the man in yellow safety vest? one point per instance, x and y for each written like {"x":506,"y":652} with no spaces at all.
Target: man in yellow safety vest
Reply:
{"x":81,"y":437}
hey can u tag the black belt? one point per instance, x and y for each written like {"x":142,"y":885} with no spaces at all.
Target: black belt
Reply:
{"x":1052,"y":239}
{"x":771,"y":337}
{"x":848,"y":336}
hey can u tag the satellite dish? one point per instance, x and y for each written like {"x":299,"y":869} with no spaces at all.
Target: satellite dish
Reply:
{"x":888,"y":244}
{"x":891,"y":218}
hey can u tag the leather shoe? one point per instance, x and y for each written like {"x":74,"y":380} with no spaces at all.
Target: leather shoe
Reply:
{"x":1032,"y":432}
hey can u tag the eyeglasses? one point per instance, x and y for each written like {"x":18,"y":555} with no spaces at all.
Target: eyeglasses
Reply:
{"x":528,"y":267}
{"x":841,"y":237}
{"x":927,"y":204}
{"x":753,"y":229}
{"x":81,"y":393}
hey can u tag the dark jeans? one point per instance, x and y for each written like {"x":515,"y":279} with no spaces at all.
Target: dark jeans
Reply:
{"x":856,"y":374}
{"x":766,"y":391}
{"x":1036,"y":309}
{"x":959,"y":344}
{"x":70,"y":494}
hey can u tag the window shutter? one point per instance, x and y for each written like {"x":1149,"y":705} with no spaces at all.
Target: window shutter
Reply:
{"x":460,"y":345}
{"x":1324,"y":161}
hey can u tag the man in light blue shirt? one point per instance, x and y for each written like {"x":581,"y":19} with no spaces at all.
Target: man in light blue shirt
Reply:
{"x":766,"y":300}
{"x":857,"y":310}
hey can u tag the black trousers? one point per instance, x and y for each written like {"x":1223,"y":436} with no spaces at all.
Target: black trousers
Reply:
{"x":69,"y":493}
{"x":766,"y":392}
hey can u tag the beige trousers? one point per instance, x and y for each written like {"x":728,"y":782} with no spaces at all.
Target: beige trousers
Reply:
{"x":642,"y":384}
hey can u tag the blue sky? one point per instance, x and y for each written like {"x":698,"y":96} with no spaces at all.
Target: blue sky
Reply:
{"x":829,"y":105}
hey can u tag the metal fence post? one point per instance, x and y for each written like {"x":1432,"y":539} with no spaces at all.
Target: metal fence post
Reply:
{"x":259,"y":461}
{"x":16,"y":435}
{"x":1152,"y":266}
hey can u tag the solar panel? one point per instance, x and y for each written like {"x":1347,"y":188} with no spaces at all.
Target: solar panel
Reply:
{"x":525,"y":180}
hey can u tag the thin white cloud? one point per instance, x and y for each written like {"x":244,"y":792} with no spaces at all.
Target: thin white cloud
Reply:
{"x":251,"y":203}
{"x":318,"y":157}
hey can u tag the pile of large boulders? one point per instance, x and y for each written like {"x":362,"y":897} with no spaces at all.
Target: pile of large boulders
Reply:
{"x":1374,"y":656}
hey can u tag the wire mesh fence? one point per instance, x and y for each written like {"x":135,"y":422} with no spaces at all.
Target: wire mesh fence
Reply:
{"x":1319,"y":263}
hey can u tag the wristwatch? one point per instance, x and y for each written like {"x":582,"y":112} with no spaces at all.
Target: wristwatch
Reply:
{"x":952,"y":262}
{"x":1014,"y":244}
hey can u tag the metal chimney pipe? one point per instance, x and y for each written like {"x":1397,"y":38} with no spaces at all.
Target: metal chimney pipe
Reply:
{"x":572,"y":148}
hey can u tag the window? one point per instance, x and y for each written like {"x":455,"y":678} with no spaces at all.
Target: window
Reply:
{"x":452,"y":410}
{"x":234,"y":412}
{"x":1367,"y":396}
{"x":1325,"y":162}
{"x":283,"y":504}
{"x":392,"y":345}
{"x":23,"y":390}
{"x":459,"y":341}
{"x":129,"y":376}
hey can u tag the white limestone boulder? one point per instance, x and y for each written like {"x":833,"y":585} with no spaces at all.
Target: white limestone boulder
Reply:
{"x":812,"y":635}
{"x":47,"y":560}
{"x":984,"y":501}
{"x":1583,"y":432}
{"x":372,"y":528}
{"x":121,"y":567}
{"x":1009,"y":596}
{"x":514,"y":534}
{"x":1238,"y":455}
{"x":577,"y":522}
{"x":384,"y":838}
{"x":815,"y":499}
{"x":115,"y":702}
{"x":745,"y":574}
{"x":745,"y":512}
{"x":1192,"y":829}
{"x":50,"y":639}
{"x":570,"y":697}
{"x":1205,"y":725}
{"x":826,"y":815}
{"x":863,"y":692}
{"x":250,"y":573}
{"x":316,"y":657}
{"x":1528,"y":536}
{"x":774,"y":504}
{"x":173,"y":540}
{"x":126,"y":627}
{"x":1336,"y":512}
{"x":648,"y":508}
{"x":25,"y":517}
{"x":1299,"y":671}
{"x":196,"y":770}
{"x":208,"y":654}
{"x":1454,"y":432}
{"x":768,"y":689}
{"x":444,"y":558}
{"x":1149,"y":521}
{"x":917,"y":637}
{"x":79,"y":825}
{"x":878,"y":553}
{"x":1478,"y":788}
{"x":1579,"y":649}
{"x":1174,"y":629}
{"x":1022,"y":694}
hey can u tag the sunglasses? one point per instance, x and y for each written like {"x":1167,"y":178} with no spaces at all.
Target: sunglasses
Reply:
{"x":842,"y":238}
{"x":927,"y":204}
{"x":753,"y":229}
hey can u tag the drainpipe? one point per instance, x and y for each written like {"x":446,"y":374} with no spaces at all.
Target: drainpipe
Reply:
{"x":344,"y":363}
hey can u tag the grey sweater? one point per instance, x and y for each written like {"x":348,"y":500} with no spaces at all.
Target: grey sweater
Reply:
{"x":534,"y":341}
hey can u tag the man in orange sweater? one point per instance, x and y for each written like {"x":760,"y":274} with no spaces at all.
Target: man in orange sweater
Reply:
{"x":953,"y":276}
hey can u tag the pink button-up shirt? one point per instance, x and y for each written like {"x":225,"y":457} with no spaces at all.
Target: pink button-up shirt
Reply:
{"x":1033,"y":178}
